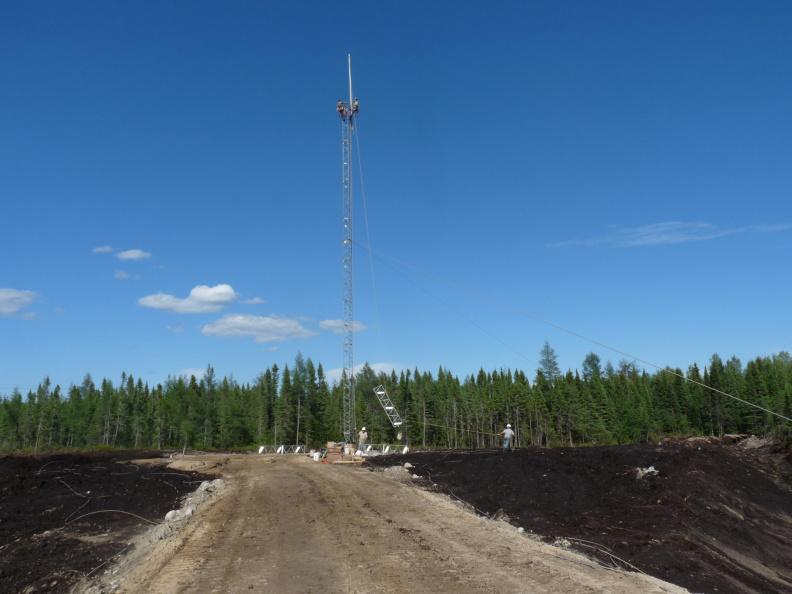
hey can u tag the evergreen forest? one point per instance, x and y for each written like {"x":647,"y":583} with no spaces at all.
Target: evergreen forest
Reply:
{"x":595,"y":405}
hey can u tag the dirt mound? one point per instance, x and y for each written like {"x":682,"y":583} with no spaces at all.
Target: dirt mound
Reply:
{"x":711,"y":515}
{"x":63,"y":516}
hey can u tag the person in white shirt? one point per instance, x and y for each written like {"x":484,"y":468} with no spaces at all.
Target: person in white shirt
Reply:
{"x":362,"y":438}
{"x":508,"y":434}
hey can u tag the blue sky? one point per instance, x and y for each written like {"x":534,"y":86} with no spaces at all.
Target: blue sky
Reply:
{"x":170,"y":181}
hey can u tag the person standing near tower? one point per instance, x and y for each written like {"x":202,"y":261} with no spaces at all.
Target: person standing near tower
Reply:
{"x":508,"y":434}
{"x":362,"y":438}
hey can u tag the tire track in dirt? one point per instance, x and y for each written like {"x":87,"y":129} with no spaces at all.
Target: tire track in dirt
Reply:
{"x":286,"y":524}
{"x":248,"y":536}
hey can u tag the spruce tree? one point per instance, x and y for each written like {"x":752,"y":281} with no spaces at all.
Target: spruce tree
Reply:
{"x":548,"y":362}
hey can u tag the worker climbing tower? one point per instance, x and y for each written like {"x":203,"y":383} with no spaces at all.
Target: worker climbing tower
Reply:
{"x":348,"y":112}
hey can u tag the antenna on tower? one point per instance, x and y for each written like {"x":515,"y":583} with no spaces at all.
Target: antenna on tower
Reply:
{"x":349,"y":59}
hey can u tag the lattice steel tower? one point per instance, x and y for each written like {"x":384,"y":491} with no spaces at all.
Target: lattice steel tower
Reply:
{"x":348,"y":112}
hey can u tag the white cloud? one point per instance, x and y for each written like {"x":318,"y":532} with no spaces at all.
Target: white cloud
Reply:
{"x":770,"y":228}
{"x":334,"y":375}
{"x":133,"y":255}
{"x":121,"y":274}
{"x":12,"y":300}
{"x":254,"y":301}
{"x":669,"y":233}
{"x":189,"y":372}
{"x":175,"y":329}
{"x":103,"y":249}
{"x":202,"y":299}
{"x":337,"y":326}
{"x":263,"y":329}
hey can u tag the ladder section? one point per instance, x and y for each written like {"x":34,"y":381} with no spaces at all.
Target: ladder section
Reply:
{"x":386,"y":403}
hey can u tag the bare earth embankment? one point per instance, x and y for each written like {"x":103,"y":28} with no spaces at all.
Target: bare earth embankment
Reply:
{"x":288,"y":524}
{"x":710,"y":514}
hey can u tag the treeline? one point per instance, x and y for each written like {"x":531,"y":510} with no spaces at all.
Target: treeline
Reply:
{"x":595,"y":405}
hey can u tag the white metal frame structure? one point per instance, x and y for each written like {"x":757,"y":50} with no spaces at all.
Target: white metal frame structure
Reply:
{"x":281,"y":449}
{"x":386,"y":448}
{"x":390,"y":410}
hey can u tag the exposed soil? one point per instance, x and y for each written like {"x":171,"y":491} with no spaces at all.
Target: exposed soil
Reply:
{"x":715,"y":517}
{"x":287,"y":524}
{"x":53,"y":530}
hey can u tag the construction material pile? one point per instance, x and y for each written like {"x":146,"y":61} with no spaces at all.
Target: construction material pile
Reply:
{"x":340,"y":453}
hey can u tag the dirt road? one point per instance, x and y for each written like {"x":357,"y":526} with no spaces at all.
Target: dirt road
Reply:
{"x":287,"y":524}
